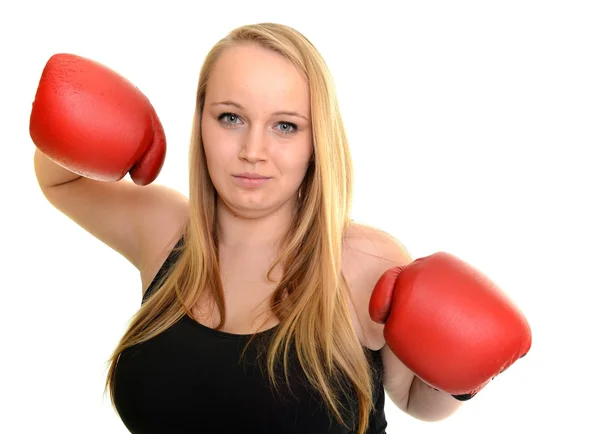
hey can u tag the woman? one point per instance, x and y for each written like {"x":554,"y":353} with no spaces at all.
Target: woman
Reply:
{"x":257,"y":290}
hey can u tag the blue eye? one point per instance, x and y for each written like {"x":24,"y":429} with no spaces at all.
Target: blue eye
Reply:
{"x":289,"y":127}
{"x":229,"y":118}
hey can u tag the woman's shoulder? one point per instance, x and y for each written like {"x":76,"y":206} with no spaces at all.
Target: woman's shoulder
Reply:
{"x":375,"y":246}
{"x":368,"y":252}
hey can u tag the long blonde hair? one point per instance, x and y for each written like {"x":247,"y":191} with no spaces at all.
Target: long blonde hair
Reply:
{"x":310,"y":301}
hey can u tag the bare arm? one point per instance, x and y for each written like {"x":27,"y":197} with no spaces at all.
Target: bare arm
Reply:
{"x":428,"y":404}
{"x":412,"y":395}
{"x":379,"y":252}
{"x":135,"y":221}
{"x":50,"y":174}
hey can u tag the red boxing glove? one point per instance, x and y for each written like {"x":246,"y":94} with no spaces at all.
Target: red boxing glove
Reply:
{"x":449,"y":323}
{"x":95,"y":123}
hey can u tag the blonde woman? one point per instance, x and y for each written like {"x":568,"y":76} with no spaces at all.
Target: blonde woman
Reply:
{"x":265,"y":308}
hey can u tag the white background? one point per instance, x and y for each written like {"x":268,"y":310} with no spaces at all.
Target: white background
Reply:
{"x":473,"y":127}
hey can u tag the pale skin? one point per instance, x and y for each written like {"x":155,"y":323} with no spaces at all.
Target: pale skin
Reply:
{"x":244,"y":131}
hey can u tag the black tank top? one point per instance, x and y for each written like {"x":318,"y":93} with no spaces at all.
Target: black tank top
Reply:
{"x":190,"y":379}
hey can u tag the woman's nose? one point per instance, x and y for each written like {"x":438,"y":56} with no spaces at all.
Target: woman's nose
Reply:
{"x":253,"y":146}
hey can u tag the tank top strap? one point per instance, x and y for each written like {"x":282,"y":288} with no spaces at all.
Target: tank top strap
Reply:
{"x":164,"y":269}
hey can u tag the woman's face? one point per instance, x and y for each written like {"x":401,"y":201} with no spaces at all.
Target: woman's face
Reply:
{"x":256,"y":130}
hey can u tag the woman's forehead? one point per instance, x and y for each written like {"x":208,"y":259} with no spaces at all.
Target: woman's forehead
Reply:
{"x":250,"y":75}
